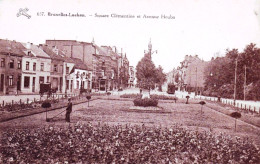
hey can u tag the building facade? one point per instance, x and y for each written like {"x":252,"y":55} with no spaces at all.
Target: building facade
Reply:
{"x":36,"y":68}
{"x":104,"y":62}
{"x":57,"y":68}
{"x":191,"y":74}
{"x":10,"y":67}
{"x":131,"y":76}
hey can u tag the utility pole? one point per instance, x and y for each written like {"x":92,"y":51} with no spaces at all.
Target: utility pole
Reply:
{"x":235,"y":86}
{"x":245,"y":85}
{"x":196,"y":82}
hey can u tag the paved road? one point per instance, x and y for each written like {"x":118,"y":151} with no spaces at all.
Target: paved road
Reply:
{"x":253,"y":105}
{"x":250,"y":105}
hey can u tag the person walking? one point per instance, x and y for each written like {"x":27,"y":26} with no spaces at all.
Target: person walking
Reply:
{"x":68,"y":110}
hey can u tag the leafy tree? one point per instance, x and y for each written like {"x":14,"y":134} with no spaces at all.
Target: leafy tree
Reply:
{"x":220,"y":74}
{"x":176,"y":78}
{"x":160,"y":77}
{"x":145,"y":73}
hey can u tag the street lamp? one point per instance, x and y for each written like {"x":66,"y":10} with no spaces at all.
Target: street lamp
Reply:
{"x":66,"y":80}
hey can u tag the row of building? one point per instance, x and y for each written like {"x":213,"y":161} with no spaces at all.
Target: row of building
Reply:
{"x":68,"y":65}
{"x":189,"y":76}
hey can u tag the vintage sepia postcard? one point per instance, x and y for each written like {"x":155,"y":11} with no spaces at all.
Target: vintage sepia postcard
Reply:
{"x":129,"y":81}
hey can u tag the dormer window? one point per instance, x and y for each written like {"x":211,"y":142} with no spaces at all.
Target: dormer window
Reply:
{"x":29,"y":53}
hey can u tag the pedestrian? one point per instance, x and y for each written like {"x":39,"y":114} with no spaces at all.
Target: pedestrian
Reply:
{"x":68,"y":110}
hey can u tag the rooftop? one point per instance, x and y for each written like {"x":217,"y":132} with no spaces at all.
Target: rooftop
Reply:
{"x":11,"y":47}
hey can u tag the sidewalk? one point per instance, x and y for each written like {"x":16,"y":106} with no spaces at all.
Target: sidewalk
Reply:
{"x":7,"y":99}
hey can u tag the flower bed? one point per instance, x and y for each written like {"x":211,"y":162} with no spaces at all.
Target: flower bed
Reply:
{"x":123,"y":144}
{"x":16,"y":107}
{"x":23,"y":106}
{"x":145,"y":102}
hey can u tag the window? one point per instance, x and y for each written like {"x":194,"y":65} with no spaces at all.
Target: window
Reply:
{"x":77,"y":84}
{"x":48,"y":79}
{"x":34,"y":66}
{"x":2,"y":62}
{"x":27,"y":65}
{"x":41,"y":81}
{"x":71,"y":82}
{"x":55,"y":68}
{"x":19,"y":64}
{"x":42,"y":66}
{"x":11,"y":63}
{"x":67,"y":70}
{"x":61,"y":68}
{"x":67,"y":84}
{"x":26,"y":81}
{"x":10,"y":80}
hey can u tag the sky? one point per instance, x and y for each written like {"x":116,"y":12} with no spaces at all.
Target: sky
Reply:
{"x":197,"y":27}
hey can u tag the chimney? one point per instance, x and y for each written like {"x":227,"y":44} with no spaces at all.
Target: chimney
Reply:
{"x":28,"y":45}
{"x":71,"y":51}
{"x":40,"y":46}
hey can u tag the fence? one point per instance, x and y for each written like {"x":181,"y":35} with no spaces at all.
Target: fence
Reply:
{"x":252,"y":106}
{"x":19,"y":100}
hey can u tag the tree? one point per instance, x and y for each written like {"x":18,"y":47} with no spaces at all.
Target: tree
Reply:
{"x":220,"y":74}
{"x":145,"y":73}
{"x":160,"y":77}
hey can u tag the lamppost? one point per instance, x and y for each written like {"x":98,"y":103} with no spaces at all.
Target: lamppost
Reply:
{"x":150,"y":52}
{"x":66,"y":80}
{"x":245,"y":85}
{"x":211,"y":75}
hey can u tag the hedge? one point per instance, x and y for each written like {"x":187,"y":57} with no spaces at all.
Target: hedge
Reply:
{"x":133,"y":95}
{"x":145,"y":102}
{"x":163,"y":97}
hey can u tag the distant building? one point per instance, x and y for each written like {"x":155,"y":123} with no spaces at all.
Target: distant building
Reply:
{"x":123,"y":71}
{"x":191,"y":74}
{"x":109,"y":68}
{"x":131,"y":76}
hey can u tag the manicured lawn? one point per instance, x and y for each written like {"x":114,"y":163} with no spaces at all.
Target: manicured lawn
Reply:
{"x":133,"y":137}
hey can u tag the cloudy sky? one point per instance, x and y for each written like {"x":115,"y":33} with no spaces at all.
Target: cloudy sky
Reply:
{"x":203,"y":27}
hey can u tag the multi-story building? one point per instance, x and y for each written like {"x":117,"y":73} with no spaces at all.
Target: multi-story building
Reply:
{"x":111,"y":58}
{"x":131,"y":76}
{"x":57,"y":64}
{"x":75,"y":49}
{"x":191,"y":73}
{"x":36,"y":68}
{"x":82,"y":75}
{"x":104,"y":62}
{"x":10,"y":66}
{"x":123,"y":71}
